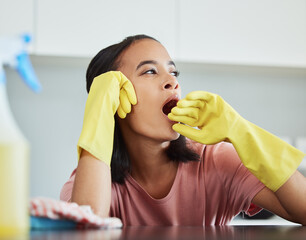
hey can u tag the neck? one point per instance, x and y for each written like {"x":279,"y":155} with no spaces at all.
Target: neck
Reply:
{"x":147,"y":155}
{"x":150,"y":165}
{"x":148,"y":158}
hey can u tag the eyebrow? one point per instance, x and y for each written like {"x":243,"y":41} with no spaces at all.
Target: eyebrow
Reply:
{"x":152,"y":62}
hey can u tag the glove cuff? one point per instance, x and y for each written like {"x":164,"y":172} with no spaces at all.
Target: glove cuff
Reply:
{"x":269,"y":158}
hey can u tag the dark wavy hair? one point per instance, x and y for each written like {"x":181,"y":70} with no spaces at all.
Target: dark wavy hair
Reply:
{"x":107,"y":60}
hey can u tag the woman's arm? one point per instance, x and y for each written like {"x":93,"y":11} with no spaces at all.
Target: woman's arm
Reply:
{"x":92,"y":185}
{"x":109,"y":93}
{"x":289,"y":201}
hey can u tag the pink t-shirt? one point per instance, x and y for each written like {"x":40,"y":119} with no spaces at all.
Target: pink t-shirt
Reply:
{"x":209,"y":192}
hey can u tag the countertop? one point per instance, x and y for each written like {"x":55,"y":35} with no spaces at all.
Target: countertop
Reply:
{"x":267,"y":232}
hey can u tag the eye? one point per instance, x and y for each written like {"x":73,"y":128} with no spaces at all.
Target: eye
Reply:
{"x":151,"y":71}
{"x":175,"y":73}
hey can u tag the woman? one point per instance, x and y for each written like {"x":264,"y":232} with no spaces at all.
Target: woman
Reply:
{"x":160,"y":177}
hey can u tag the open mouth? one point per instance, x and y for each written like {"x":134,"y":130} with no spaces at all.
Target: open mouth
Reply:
{"x":169,"y":105}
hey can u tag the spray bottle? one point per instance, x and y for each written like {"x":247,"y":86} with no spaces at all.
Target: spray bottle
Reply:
{"x":14,"y":148}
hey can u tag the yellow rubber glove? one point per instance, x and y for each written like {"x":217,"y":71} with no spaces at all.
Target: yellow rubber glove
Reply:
{"x":269,"y":158}
{"x":109,"y":92}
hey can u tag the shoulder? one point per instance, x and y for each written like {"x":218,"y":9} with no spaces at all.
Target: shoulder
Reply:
{"x":196,"y":147}
{"x":218,"y":153}
{"x":221,"y":157}
{"x":221,"y":150}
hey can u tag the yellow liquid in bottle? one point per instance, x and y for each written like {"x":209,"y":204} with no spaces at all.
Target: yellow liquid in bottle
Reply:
{"x":14,"y":214}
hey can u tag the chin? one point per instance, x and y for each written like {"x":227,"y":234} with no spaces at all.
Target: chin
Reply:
{"x":174,"y":136}
{"x":168,"y":136}
{"x":177,"y":135}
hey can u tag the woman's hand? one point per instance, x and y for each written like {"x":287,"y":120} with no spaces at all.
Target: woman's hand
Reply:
{"x":110,"y":92}
{"x":127,"y":96}
{"x":111,"y":88}
{"x":269,"y":158}
{"x":213,"y":117}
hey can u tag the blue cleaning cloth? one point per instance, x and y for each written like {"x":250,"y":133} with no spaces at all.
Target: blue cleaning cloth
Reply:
{"x":41,"y":223}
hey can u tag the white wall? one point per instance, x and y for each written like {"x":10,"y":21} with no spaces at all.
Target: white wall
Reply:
{"x":273,"y":98}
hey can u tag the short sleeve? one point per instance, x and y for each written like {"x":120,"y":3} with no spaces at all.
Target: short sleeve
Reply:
{"x":239,"y":183}
{"x":66,"y":191}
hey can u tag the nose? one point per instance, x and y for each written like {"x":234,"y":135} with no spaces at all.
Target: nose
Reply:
{"x":171,"y":83}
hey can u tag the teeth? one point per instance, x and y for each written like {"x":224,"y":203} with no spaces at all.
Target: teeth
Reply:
{"x":168,"y":106}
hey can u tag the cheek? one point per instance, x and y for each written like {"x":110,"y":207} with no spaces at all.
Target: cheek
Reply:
{"x":147,"y":107}
{"x":148,"y":97}
{"x":146,"y":113}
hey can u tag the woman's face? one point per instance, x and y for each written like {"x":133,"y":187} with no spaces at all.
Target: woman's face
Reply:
{"x":147,"y":64}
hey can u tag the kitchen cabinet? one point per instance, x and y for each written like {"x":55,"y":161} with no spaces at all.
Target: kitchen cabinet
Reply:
{"x":252,"y":32}
{"x":16,"y":17}
{"x":82,"y":28}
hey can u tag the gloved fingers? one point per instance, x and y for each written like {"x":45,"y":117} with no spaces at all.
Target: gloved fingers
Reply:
{"x":121,"y":112}
{"x":201,"y":95}
{"x":184,"y":119}
{"x":188,"y":111}
{"x":124,"y":101}
{"x":190,"y":103}
{"x":130,"y":92}
{"x":186,"y":131}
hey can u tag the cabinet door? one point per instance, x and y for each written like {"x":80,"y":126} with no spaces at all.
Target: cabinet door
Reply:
{"x":260,"y":32}
{"x":83,"y":27}
{"x":16,"y":17}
